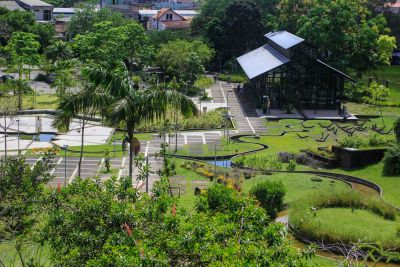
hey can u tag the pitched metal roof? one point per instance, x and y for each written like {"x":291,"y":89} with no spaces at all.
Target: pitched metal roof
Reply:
{"x":284,"y":39}
{"x":261,"y":60}
{"x":37,"y":3}
{"x":336,"y":71}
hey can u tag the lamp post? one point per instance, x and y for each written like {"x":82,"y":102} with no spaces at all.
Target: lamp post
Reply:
{"x":65,"y":147}
{"x":19,"y":152}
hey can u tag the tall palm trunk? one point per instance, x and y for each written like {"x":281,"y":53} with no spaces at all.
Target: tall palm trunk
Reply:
{"x":130,"y":129}
{"x":81,"y":153}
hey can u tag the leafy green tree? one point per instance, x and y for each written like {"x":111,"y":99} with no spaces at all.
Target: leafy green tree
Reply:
{"x":386,"y":44}
{"x":344,"y":31}
{"x":102,"y":224}
{"x":83,"y":103}
{"x":59,"y":50}
{"x":130,"y":106}
{"x":184,"y":59}
{"x":87,"y":17}
{"x":45,"y":33}
{"x":241,"y":29}
{"x":99,"y":46}
{"x":22,"y":199}
{"x":391,"y":162}
{"x":64,"y":79}
{"x":23,"y":49}
{"x":13,"y":21}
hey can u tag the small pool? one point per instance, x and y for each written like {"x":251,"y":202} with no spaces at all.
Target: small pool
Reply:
{"x":221,"y":163}
{"x":44,"y":137}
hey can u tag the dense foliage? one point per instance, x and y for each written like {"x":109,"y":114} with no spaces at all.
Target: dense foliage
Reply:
{"x":22,"y":195}
{"x":183,"y":59}
{"x":270,"y":195}
{"x":94,"y":223}
{"x":391,"y":162}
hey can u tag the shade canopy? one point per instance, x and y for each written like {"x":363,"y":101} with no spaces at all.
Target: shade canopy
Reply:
{"x":261,"y":60}
{"x":284,"y":39}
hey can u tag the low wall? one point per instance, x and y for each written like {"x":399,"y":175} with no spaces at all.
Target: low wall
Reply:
{"x":349,"y":158}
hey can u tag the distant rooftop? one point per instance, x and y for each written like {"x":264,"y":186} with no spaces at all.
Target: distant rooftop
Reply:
{"x":10,"y":5}
{"x":152,"y":12}
{"x":33,"y":3}
{"x":284,"y":39}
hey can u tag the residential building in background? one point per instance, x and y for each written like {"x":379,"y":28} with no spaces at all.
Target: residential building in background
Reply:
{"x":42,"y":10}
{"x":168,"y":19}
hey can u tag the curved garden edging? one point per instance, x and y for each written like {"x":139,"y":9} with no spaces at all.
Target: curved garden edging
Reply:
{"x":336,"y":176}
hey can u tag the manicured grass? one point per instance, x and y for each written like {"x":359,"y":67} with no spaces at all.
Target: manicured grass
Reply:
{"x":390,"y":73}
{"x":373,"y":173}
{"x":298,"y":186}
{"x":188,"y":199}
{"x":350,"y":225}
{"x":45,"y":101}
{"x":209,"y":150}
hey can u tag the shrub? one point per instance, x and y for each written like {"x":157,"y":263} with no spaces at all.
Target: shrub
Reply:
{"x":285,"y":157}
{"x":291,"y":165}
{"x":396,"y":129}
{"x":376,"y":141}
{"x":351,"y":142}
{"x":270,"y":195}
{"x":398,"y":230}
{"x":221,"y":198}
{"x":235,"y":78}
{"x":391,"y":162}
{"x":306,"y":160}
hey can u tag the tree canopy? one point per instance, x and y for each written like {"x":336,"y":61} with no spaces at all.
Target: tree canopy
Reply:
{"x":184,"y":60}
{"x":108,"y":45}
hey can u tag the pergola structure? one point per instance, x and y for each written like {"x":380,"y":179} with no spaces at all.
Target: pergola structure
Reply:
{"x":288,"y":71}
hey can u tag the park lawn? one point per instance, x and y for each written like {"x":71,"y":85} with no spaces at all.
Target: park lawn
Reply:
{"x":298,"y":186}
{"x":45,"y":101}
{"x":373,"y":173}
{"x":352,"y":225}
{"x":370,"y":110}
{"x":222,"y":150}
{"x":187,"y":199}
{"x":390,"y":73}
{"x":120,"y":135}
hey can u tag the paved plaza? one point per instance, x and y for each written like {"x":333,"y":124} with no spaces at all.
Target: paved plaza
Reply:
{"x":245,"y":118}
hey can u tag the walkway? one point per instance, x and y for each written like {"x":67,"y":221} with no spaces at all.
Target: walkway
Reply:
{"x":241,"y":108}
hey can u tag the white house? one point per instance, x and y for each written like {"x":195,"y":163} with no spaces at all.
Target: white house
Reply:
{"x":42,"y":10}
{"x":167,"y":18}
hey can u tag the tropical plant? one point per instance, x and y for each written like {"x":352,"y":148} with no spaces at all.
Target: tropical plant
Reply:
{"x":391,"y":162}
{"x":85,"y":103}
{"x":270,"y":195}
{"x":351,"y":142}
{"x":377,"y":93}
{"x":131,"y":106}
{"x":23,"y":49}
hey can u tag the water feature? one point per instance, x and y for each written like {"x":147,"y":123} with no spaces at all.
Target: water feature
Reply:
{"x":44,"y":137}
{"x":221,"y":163}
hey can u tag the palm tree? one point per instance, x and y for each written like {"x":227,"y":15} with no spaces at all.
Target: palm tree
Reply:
{"x":132,"y":106}
{"x":86,"y":103}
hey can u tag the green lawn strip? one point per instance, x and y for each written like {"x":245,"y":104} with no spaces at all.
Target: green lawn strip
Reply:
{"x":350,"y":225}
{"x":373,"y":173}
{"x":45,"y":101}
{"x":222,"y":150}
{"x":298,"y":186}
{"x":390,"y":73}
{"x":120,"y":135}
{"x":187,"y":199}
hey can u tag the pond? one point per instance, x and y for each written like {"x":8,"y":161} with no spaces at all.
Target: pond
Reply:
{"x":221,"y":163}
{"x":44,"y":137}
